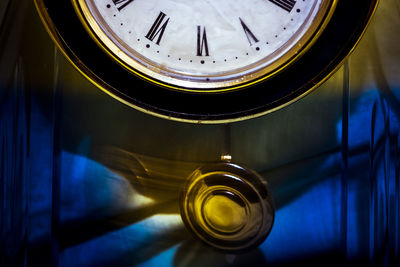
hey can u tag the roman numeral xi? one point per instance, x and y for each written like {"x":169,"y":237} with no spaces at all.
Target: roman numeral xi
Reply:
{"x":202,"y":45}
{"x":158,"y":28}
{"x":120,"y":4}
{"x":285,"y":4}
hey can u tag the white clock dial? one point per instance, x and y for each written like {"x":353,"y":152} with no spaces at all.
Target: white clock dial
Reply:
{"x":203,"y":43}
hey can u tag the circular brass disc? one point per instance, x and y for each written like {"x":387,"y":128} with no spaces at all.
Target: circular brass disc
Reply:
{"x":227,"y":206}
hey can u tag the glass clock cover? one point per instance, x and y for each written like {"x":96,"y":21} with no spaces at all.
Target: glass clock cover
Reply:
{"x":203,"y":61}
{"x":206,"y":45}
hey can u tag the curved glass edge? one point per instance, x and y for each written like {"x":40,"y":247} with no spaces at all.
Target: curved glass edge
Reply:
{"x":88,"y":74}
{"x":231,"y":84}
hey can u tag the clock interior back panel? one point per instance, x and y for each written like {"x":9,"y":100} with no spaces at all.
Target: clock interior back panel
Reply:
{"x":89,"y":181}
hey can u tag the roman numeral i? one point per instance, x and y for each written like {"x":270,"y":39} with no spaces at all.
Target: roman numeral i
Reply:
{"x":157,"y":29}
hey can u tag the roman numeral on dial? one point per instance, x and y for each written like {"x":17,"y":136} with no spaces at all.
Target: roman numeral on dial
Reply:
{"x":202,"y":45}
{"x":285,"y":4}
{"x":250,"y":36}
{"x":157,"y":29}
{"x":120,"y":4}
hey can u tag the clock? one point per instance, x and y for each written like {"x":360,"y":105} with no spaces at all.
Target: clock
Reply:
{"x":213,"y":63}
{"x":207,"y":62}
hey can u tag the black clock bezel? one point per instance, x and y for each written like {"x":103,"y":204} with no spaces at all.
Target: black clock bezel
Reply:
{"x":338,"y":40}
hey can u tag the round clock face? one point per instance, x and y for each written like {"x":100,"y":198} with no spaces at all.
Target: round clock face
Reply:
{"x":206,"y":45}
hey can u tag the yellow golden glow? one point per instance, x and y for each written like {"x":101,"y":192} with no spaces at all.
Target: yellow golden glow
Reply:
{"x":227,"y":158}
{"x":224,"y":214}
